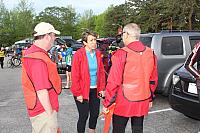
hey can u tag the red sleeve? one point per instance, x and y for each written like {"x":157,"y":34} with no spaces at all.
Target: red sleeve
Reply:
{"x":102,"y":75}
{"x":154,"y":76}
{"x":75,"y":73}
{"x":39,"y":75}
{"x":115,"y":77}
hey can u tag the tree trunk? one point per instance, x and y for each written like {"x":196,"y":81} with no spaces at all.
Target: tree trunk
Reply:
{"x":190,"y":18}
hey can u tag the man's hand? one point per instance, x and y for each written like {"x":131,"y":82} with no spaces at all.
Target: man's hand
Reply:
{"x":43,"y":96}
{"x":79,"y":98}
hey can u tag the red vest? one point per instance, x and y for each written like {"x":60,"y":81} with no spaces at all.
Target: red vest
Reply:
{"x":137,"y":72}
{"x":30,"y":94}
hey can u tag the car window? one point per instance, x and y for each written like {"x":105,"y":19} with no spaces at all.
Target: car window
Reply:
{"x":146,"y":41}
{"x":194,"y":40}
{"x":172,"y":45}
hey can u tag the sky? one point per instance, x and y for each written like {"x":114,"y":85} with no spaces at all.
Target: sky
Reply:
{"x":98,"y":6}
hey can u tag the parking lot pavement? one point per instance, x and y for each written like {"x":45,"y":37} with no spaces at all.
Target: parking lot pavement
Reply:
{"x":14,"y":119}
{"x":161,"y":119}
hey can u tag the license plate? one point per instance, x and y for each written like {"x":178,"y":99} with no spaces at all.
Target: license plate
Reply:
{"x":192,"y":88}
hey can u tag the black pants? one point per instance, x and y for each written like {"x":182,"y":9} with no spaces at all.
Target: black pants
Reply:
{"x":1,"y":61}
{"x":86,"y":108}
{"x":119,"y":124}
{"x":198,"y":88}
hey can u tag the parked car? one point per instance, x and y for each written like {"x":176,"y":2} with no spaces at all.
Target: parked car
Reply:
{"x":74,"y":44}
{"x":55,"y":51}
{"x":183,"y":95}
{"x":103,"y":45}
{"x":172,"y":49}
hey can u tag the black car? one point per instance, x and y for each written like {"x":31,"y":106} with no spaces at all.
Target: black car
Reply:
{"x":75,"y":45}
{"x":183,"y":95}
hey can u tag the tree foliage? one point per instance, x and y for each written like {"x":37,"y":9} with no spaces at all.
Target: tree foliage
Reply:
{"x":151,"y":15}
{"x":17,"y":24}
{"x":63,"y":18}
{"x":156,"y":15}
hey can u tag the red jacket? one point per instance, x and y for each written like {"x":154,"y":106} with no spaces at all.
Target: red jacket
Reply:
{"x":81,"y":75}
{"x":114,"y":85}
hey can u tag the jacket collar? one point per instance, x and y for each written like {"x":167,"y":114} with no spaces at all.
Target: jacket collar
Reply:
{"x":136,"y":46}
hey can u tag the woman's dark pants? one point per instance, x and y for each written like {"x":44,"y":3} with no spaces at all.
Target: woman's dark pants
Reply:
{"x":86,"y":108}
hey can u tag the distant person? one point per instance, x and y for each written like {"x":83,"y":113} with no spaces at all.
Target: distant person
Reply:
{"x":40,"y":81}
{"x":131,"y":82}
{"x":67,"y":54}
{"x":54,"y":53}
{"x":119,"y":41}
{"x":193,"y":58}
{"x":88,"y":81}
{"x":18,"y":51}
{"x":2,"y":56}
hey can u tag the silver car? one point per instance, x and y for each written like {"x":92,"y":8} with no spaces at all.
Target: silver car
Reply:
{"x":172,"y":49}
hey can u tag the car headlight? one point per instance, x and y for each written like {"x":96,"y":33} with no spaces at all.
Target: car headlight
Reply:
{"x":175,"y":79}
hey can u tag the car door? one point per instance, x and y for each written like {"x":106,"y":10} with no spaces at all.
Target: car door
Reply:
{"x":171,"y":55}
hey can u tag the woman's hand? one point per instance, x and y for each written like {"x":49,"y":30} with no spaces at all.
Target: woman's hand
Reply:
{"x":79,"y":98}
{"x":105,"y":110}
{"x":102,"y":94}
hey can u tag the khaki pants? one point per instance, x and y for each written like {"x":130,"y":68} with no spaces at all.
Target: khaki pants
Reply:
{"x":43,"y":123}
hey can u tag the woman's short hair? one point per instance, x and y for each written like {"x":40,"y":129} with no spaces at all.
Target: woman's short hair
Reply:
{"x":86,"y":34}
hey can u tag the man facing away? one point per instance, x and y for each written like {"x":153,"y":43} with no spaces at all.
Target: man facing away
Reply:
{"x":40,"y":81}
{"x":131,"y":82}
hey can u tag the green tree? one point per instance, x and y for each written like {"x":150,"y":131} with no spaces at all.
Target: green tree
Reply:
{"x":3,"y":24}
{"x":100,"y":24}
{"x":63,"y":18}
{"x":86,"y":21}
{"x":115,"y":17}
{"x":155,"y":15}
{"x":22,"y":18}
{"x":17,"y":24}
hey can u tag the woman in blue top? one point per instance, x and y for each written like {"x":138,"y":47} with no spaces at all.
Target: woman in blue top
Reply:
{"x":68,"y":58}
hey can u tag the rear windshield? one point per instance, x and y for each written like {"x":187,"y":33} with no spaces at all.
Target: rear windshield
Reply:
{"x":194,"y":40}
{"x":146,"y":41}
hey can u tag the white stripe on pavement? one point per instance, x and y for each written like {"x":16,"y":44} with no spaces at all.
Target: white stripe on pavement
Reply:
{"x":151,"y":112}
{"x":162,"y":110}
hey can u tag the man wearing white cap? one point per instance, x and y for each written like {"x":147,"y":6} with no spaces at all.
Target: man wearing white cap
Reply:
{"x":40,"y":81}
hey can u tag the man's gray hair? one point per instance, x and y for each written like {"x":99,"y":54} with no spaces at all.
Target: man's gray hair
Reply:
{"x":133,"y":30}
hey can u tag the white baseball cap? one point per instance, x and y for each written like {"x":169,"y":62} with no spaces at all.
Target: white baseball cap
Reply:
{"x":44,"y":28}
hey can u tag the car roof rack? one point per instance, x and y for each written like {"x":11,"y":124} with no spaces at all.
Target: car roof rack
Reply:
{"x":170,"y":31}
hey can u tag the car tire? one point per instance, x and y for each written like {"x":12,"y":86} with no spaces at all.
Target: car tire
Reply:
{"x":166,"y":92}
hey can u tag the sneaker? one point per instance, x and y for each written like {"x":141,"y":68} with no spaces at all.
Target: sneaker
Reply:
{"x":66,"y":87}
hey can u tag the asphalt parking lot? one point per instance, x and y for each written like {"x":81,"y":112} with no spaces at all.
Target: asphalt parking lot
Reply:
{"x":14,"y":119}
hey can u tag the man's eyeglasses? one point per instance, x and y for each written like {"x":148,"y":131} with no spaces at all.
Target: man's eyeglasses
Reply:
{"x":123,"y":33}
